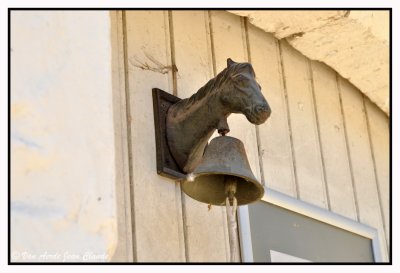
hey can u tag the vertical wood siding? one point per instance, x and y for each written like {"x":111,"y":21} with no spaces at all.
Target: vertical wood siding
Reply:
{"x":157,"y":206}
{"x":303,"y":126}
{"x":196,"y":68}
{"x":325,"y":143}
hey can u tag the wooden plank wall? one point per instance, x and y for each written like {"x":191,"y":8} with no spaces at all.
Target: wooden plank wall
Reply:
{"x":156,"y":201}
{"x":196,"y":68}
{"x":325,"y":143}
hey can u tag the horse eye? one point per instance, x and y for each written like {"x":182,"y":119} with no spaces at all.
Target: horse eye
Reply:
{"x":241,"y":80}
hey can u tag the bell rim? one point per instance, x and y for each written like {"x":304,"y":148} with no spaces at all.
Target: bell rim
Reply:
{"x":253,"y":181}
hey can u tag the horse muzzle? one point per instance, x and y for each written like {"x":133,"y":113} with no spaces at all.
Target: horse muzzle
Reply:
{"x":260,"y":113}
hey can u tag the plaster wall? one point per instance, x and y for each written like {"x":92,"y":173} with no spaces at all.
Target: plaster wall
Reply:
{"x":63,"y":201}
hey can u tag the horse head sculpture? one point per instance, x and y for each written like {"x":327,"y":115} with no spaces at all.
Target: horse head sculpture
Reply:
{"x":191,"y":122}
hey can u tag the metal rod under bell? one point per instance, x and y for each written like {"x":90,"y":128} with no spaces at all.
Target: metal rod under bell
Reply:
{"x":231,"y":206}
{"x":230,"y":188}
{"x":232,"y":228}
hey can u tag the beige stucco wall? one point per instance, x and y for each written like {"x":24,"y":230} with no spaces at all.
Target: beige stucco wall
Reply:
{"x":354,"y":43}
{"x":62,"y":137}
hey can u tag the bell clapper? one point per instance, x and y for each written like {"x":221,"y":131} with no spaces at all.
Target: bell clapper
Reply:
{"x":230,"y":188}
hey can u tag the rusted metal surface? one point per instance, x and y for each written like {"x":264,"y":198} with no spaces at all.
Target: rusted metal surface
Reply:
{"x":166,"y":165}
{"x":192,"y":121}
{"x":183,"y":127}
{"x":224,"y":162}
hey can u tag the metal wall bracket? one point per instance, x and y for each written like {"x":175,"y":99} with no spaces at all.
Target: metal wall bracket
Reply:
{"x":166,"y":165}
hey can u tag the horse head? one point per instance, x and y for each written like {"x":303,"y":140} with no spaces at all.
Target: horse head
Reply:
{"x":242,"y":93}
{"x":191,"y":122}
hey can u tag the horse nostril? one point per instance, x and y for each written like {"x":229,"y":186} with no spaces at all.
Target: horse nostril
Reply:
{"x":261,"y":108}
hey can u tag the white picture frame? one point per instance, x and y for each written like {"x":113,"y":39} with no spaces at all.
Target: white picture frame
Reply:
{"x":309,"y":210}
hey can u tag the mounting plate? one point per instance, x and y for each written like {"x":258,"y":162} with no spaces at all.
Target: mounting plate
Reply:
{"x":166,"y":165}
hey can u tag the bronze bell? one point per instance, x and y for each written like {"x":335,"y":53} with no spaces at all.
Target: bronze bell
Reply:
{"x":224,"y":163}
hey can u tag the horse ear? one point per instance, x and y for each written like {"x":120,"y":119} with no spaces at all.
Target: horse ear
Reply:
{"x":229,"y":62}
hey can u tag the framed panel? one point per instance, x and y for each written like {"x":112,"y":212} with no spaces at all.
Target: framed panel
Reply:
{"x":281,"y":228}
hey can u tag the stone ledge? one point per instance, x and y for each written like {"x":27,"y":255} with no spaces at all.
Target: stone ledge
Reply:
{"x":354,"y":43}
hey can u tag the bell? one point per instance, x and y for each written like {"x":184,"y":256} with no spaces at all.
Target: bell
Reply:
{"x":224,"y":170}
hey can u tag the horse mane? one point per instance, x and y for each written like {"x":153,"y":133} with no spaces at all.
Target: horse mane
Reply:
{"x":215,"y":84}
